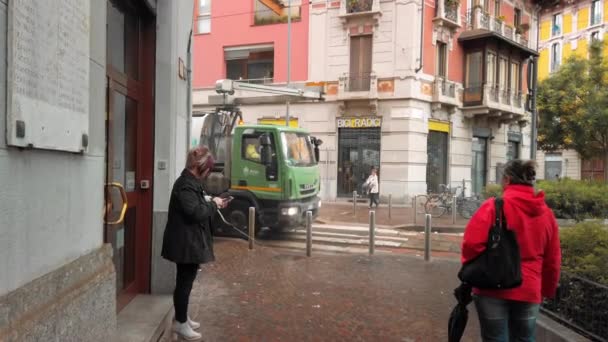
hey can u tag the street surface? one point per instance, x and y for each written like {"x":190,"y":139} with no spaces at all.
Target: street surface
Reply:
{"x":272,"y":294}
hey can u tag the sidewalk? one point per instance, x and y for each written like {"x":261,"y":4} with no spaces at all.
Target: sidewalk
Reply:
{"x":278,"y":295}
{"x":401,"y":217}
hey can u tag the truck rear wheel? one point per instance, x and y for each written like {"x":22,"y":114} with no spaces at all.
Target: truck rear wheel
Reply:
{"x":238,"y":215}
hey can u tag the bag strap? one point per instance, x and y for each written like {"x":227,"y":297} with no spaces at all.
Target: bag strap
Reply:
{"x":499,"y":220}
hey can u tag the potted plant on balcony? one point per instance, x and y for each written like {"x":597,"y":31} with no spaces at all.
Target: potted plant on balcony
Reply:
{"x":522,"y":28}
{"x":355,"y":6}
{"x":501,"y":18}
{"x":452,"y":4}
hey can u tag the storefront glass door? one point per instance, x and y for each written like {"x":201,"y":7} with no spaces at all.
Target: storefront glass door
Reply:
{"x":358,"y":151}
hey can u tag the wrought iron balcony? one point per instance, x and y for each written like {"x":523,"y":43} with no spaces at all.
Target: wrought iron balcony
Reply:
{"x":350,"y":9}
{"x":503,"y":104}
{"x":445,"y":93}
{"x":479,"y":21}
{"x":358,"y":86}
{"x":447,"y":14}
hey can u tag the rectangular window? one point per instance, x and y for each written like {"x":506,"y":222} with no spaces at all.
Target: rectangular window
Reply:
{"x":553,"y":166}
{"x":253,"y":64}
{"x":514,"y":77}
{"x":491,"y":71}
{"x":474,"y":77}
{"x":596,"y":12}
{"x":203,"y":21}
{"x":556,"y":56}
{"x":442,"y":59}
{"x":503,"y":73}
{"x":513,"y":150}
{"x":497,"y":8}
{"x":517,"y":18}
{"x":556,"y":28}
{"x":360,"y":63}
{"x":267,"y":12}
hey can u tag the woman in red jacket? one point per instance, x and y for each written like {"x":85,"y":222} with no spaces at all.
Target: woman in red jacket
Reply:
{"x":510,"y":315}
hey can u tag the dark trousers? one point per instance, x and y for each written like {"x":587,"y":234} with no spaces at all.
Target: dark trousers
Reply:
{"x":186,"y":273}
{"x":374,"y":199}
{"x":506,"y":320}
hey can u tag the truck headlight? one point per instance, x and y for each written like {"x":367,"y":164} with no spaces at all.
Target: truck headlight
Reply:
{"x":290,"y":211}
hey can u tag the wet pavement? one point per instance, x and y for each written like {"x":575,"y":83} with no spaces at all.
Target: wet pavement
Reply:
{"x":280,"y":295}
{"x":342,"y":212}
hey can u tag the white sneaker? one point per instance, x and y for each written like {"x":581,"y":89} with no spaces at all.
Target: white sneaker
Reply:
{"x":193,"y":324}
{"x":184,"y":330}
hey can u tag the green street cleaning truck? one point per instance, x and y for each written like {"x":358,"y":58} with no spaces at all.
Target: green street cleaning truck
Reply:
{"x":269,"y":167}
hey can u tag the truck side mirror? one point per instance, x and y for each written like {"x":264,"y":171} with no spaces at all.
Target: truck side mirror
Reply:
{"x":266,"y":153}
{"x":317,"y":142}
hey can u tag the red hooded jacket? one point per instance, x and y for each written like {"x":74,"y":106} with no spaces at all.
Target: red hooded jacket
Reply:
{"x":538,"y":238}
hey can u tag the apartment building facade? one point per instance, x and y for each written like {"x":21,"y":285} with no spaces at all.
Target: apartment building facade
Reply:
{"x":431,"y":92}
{"x":567,"y":28}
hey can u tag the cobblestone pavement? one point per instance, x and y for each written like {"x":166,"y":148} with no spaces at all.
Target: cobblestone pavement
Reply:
{"x":280,"y":295}
{"x":400,"y":216}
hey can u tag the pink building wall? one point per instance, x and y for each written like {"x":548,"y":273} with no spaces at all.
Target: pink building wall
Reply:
{"x":232,"y":24}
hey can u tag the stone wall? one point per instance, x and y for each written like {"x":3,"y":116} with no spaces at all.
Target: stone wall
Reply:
{"x":76,"y":302}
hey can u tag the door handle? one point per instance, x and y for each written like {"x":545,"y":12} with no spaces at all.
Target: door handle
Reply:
{"x":125,"y":203}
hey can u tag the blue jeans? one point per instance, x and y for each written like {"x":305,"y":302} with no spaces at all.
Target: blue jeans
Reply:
{"x":506,"y":320}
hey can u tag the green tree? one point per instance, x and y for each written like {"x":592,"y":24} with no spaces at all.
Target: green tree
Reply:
{"x":573,"y":107}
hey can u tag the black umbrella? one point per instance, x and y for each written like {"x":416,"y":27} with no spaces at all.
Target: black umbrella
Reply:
{"x":460,"y":314}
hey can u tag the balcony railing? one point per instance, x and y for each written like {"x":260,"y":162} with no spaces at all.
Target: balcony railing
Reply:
{"x":359,"y":82}
{"x":494,"y":97}
{"x":478,"y":19}
{"x":266,"y":80}
{"x":448,"y":88}
{"x":357,"y":6}
{"x":447,"y":14}
{"x":581,"y":305}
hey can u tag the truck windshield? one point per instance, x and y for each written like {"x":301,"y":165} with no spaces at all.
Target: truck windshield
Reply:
{"x":297,"y":149}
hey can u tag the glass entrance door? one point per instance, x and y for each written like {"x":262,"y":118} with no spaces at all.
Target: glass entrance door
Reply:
{"x":129,"y":154}
{"x":479,"y":167}
{"x":437,"y":160}
{"x":358,"y":151}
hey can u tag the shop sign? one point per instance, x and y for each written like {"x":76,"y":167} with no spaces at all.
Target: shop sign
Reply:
{"x":359,"y":122}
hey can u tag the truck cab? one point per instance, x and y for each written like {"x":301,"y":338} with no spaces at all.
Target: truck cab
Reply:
{"x":277,"y":165}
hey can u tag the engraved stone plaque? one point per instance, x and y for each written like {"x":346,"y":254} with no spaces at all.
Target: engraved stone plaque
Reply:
{"x":48,"y":73}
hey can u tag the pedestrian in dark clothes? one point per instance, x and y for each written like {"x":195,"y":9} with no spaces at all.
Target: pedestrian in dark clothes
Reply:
{"x":187,"y":240}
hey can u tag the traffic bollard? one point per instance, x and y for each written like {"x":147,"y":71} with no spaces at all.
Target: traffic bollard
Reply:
{"x":427,"y":238}
{"x":308,"y":233}
{"x":354,"y":202}
{"x":372,"y":232}
{"x":453,"y":210}
{"x":390,"y":206}
{"x":251,"y":226}
{"x":415,"y":205}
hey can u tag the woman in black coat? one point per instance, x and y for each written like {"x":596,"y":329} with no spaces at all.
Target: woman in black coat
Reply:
{"x":187,"y":240}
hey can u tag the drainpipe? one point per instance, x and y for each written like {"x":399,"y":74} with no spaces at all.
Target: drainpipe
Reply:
{"x":189,"y":92}
{"x":421,"y":35}
{"x":534,"y":133}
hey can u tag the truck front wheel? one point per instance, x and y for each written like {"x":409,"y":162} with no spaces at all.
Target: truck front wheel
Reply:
{"x":238,"y":215}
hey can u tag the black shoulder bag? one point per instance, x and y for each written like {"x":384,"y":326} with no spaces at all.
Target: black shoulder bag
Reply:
{"x":499,"y":265}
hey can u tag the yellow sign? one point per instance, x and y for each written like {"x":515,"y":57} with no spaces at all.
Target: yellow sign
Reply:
{"x":439,"y":126}
{"x":359,"y":122}
{"x":278,"y":122}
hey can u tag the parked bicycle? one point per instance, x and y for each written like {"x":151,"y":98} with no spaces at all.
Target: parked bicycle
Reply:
{"x":439,"y":204}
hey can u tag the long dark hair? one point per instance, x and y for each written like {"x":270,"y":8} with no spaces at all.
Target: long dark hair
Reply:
{"x":522,"y":172}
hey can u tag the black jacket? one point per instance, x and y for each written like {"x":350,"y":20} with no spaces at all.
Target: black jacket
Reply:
{"x":188,"y":238}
